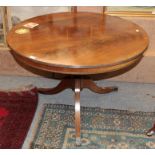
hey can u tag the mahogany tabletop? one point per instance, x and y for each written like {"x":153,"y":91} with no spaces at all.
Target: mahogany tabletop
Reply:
{"x":78,"y":43}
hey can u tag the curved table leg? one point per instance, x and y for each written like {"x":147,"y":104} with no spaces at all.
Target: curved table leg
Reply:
{"x":90,"y":84}
{"x":64,"y":84}
{"x":77,"y":111}
{"x":77,"y":84}
{"x":151,"y":131}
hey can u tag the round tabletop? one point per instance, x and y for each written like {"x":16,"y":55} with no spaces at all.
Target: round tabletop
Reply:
{"x":77,"y":43}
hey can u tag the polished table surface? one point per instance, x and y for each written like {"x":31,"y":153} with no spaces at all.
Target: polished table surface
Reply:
{"x":78,"y":43}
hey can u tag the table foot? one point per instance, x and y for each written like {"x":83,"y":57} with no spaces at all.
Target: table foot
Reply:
{"x":90,"y":84}
{"x":151,"y":131}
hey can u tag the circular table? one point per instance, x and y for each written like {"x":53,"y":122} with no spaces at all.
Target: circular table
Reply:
{"x":78,"y":45}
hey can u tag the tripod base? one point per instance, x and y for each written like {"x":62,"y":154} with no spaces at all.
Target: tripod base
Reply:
{"x":77,"y":84}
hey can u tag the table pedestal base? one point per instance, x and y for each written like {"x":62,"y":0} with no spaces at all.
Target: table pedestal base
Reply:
{"x":77,"y":84}
{"x":151,"y":131}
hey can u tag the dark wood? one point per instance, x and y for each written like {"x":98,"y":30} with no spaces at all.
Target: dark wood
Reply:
{"x":70,"y":83}
{"x":64,"y":84}
{"x":81,"y":43}
{"x":151,"y":131}
{"x":77,"y":84}
{"x":76,"y":71}
{"x":88,"y":83}
{"x":78,"y":44}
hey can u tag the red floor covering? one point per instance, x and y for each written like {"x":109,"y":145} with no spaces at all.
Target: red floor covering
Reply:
{"x":17,"y":109}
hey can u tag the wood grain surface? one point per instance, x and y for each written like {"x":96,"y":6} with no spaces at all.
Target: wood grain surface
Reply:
{"x":78,"y":43}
